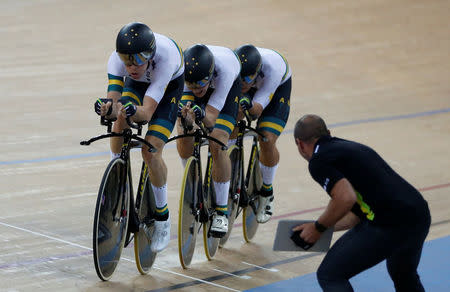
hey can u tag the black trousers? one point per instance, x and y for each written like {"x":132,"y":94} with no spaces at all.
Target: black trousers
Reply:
{"x":366,"y":245}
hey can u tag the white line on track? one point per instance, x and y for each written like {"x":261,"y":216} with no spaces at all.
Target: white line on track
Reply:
{"x":71,"y":196}
{"x":262,"y":268}
{"x":230,"y":274}
{"x":124,"y":258}
{"x":46,"y":236}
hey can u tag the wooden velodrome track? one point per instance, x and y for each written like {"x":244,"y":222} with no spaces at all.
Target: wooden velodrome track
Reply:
{"x":377,"y":71}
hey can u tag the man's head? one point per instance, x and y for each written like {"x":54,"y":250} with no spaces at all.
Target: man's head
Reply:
{"x":307,"y":131}
{"x":251,"y":63}
{"x":199,"y":68}
{"x":136,"y":46}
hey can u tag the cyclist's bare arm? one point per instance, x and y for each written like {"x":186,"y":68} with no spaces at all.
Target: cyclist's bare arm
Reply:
{"x":145,"y":112}
{"x":211,"y":116}
{"x":209,"y":120}
{"x":256,"y":109}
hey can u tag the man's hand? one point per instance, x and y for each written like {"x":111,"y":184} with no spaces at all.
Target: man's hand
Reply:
{"x":309,"y":232}
{"x":180,"y":112}
{"x":103,"y":106}
{"x":185,"y":112}
{"x":130,"y":109}
{"x":245,"y":103}
{"x":198,"y":112}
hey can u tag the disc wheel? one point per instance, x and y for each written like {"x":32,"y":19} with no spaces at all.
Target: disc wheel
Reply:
{"x":254,"y":184}
{"x":188,"y":225}
{"x":233,"y":195}
{"x":210,"y":243}
{"x":146,"y":208}
{"x":111,"y":218}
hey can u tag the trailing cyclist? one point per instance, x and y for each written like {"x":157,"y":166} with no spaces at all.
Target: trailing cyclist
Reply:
{"x":212,"y":89}
{"x":266,"y":91}
{"x":146,"y":77}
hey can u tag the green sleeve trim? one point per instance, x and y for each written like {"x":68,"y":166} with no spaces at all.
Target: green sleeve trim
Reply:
{"x":364,"y":207}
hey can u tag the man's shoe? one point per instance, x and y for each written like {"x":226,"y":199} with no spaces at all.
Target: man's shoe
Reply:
{"x":265,"y":208}
{"x":161,"y":235}
{"x":219,"y":226}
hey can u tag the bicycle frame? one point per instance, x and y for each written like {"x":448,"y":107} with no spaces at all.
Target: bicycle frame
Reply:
{"x":201,"y":138}
{"x":197,"y":206}
{"x":123,"y":209}
{"x":245,"y":130}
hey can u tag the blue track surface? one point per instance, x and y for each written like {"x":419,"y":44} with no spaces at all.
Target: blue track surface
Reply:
{"x":434,"y":271}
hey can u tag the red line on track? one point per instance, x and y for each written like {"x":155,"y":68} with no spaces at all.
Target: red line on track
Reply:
{"x":434,"y":187}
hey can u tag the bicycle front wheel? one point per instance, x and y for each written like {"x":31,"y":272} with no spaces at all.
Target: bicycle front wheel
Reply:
{"x":111,"y":218}
{"x":210,"y":243}
{"x":253,"y":185}
{"x":188,"y":224}
{"x":233,"y":196}
{"x":146,"y":209}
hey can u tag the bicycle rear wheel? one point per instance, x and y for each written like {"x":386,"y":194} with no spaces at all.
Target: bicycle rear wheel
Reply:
{"x":146,"y":208}
{"x":253,"y":185}
{"x":188,"y":224}
{"x":233,"y":196}
{"x":210,"y":243}
{"x":111,"y":218}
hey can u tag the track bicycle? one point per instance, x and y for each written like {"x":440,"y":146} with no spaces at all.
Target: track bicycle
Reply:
{"x":197,"y":199}
{"x":116,"y":216}
{"x":244,"y":191}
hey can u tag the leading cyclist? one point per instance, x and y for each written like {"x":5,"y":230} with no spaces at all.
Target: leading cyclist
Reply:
{"x":146,"y":76}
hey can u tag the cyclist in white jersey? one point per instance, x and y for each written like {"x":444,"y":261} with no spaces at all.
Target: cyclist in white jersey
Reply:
{"x":212,"y":90}
{"x":146,"y":77}
{"x":266,"y":90}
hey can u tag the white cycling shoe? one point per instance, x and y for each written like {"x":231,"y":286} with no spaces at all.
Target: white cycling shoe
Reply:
{"x":161,"y":235}
{"x":265,"y":209}
{"x":219,"y":226}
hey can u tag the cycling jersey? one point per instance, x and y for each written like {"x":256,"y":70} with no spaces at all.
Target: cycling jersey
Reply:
{"x":224,"y":89}
{"x":275,"y":71}
{"x":166,"y":66}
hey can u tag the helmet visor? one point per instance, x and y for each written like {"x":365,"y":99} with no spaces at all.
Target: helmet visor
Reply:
{"x":197,"y":84}
{"x":249,"y":79}
{"x":135,"y":59}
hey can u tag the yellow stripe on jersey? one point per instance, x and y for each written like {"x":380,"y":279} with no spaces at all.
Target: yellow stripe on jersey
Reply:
{"x":188,"y":97}
{"x":160,"y":129}
{"x":271,"y":125}
{"x":180,"y":51}
{"x":225,"y":123}
{"x":286,"y":63}
{"x":133,"y":96}
{"x":115,"y":82}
